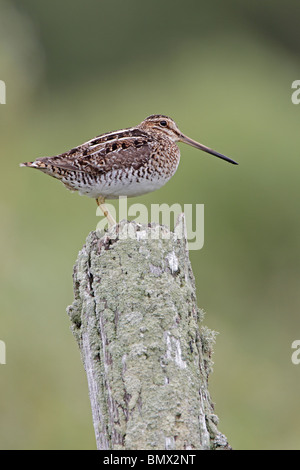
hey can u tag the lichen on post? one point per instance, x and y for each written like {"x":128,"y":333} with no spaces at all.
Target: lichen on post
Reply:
{"x":146,"y":356}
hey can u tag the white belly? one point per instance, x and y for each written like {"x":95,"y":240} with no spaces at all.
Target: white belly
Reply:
{"x":119,"y":185}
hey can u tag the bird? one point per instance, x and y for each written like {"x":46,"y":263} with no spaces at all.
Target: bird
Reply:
{"x":127,"y":162}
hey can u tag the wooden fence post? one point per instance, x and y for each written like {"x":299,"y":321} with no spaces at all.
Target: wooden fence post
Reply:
{"x":146,"y":356}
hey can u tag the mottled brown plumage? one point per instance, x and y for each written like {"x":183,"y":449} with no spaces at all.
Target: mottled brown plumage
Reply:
{"x":129,"y":162}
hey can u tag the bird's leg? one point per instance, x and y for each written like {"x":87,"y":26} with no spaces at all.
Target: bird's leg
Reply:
{"x":100,"y":202}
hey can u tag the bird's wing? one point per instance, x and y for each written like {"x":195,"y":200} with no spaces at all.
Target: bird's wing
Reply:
{"x":105,"y":153}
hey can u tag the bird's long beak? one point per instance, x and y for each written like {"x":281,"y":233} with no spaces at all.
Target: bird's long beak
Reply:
{"x":187,"y":140}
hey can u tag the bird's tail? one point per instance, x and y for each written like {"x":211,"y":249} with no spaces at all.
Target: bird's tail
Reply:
{"x":26,"y":164}
{"x":40,"y":165}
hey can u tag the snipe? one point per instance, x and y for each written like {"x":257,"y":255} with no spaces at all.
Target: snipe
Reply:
{"x":129,"y":162}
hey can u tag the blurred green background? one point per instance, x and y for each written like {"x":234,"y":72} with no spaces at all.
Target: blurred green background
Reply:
{"x":223,"y":71}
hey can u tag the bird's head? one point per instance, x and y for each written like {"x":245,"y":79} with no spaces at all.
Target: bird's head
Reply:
{"x":164,"y":125}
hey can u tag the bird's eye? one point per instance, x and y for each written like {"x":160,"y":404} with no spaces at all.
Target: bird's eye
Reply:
{"x":163,"y":123}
